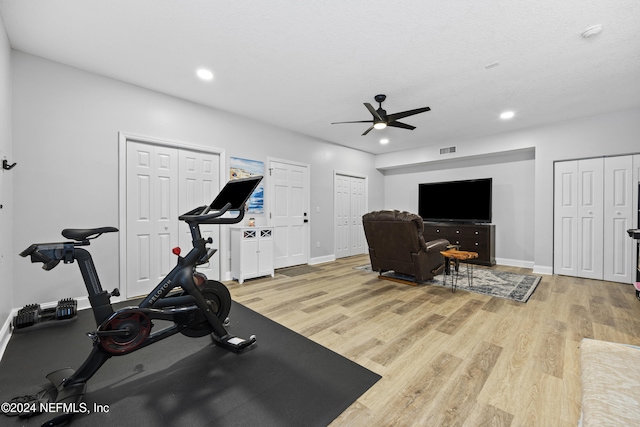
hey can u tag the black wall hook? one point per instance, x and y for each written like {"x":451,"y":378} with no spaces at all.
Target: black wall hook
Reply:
{"x":6,"y":165}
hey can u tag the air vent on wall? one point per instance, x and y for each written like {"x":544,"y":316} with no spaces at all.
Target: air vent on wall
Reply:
{"x":447,"y":150}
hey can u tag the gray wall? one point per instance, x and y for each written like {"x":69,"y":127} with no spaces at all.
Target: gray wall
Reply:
{"x":66,"y":124}
{"x":6,"y":178}
{"x":512,"y":196}
{"x":604,"y":135}
{"x":61,"y":125}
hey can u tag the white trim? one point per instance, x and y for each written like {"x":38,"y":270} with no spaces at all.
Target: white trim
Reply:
{"x":543,"y":269}
{"x":514,"y":262}
{"x":5,"y":332}
{"x":322,"y":259}
{"x":123,"y":138}
{"x":269,"y":199}
{"x":344,"y":173}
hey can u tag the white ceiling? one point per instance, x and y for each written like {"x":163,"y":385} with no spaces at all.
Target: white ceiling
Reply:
{"x":301,"y":65}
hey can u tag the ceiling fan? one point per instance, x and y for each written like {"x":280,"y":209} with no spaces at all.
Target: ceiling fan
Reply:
{"x":381,"y":120}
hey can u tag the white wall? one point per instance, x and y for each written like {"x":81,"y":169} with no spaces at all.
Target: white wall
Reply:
{"x":512,"y":196}
{"x":605,"y":135}
{"x":6,"y":178}
{"x":65,"y":127}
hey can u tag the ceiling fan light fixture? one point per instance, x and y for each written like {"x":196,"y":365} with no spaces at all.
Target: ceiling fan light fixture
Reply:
{"x":381,"y":119}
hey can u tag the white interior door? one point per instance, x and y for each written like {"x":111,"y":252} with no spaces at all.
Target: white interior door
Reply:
{"x":565,"y":219}
{"x":350,"y":205}
{"x":358,"y":208}
{"x":199,"y":183}
{"x":289,"y":188}
{"x":590,"y":218}
{"x":152,"y":223}
{"x":636,"y":216}
{"x":598,"y":196}
{"x":342,"y":186}
{"x":618,"y":217}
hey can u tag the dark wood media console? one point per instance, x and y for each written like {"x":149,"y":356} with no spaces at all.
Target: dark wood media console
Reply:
{"x":478,"y":238}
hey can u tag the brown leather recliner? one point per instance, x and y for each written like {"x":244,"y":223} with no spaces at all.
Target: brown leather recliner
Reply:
{"x":396,"y":242}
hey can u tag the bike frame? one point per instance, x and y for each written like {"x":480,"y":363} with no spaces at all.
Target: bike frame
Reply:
{"x":129,"y":329}
{"x":158,"y":304}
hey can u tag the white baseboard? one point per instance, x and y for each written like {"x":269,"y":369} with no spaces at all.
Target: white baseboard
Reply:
{"x":543,"y":269}
{"x":5,"y":332}
{"x":322,"y":259}
{"x":514,"y":262}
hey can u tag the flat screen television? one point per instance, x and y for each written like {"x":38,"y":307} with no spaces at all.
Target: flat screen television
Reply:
{"x":456,"y":201}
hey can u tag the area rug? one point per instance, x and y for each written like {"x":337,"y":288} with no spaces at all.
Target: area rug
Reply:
{"x":495,"y":283}
{"x":286,"y":380}
{"x":298,"y":270}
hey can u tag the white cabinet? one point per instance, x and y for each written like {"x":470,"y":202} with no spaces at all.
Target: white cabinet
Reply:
{"x":251,"y":252}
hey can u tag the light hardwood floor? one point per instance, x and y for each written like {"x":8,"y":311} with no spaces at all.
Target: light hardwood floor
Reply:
{"x":451,"y":358}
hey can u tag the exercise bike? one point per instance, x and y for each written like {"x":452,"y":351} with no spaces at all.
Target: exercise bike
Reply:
{"x":196,"y":306}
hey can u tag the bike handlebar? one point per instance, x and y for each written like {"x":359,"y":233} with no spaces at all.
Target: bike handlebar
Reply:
{"x":200,"y":215}
{"x":49,"y":254}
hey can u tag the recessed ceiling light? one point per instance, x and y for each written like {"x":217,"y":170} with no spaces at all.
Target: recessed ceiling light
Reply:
{"x":507,"y":115}
{"x":384,"y":141}
{"x":204,"y":74}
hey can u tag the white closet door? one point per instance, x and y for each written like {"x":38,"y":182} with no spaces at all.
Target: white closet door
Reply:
{"x":604,"y":194}
{"x":152,"y":222}
{"x":350,"y":205}
{"x":635,"y":183}
{"x":565,"y":241}
{"x":342,"y":188}
{"x":199,"y":183}
{"x":590,"y":218}
{"x":357,"y":209}
{"x":618,"y":215}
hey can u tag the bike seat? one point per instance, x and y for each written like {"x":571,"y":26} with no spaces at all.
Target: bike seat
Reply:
{"x":80,"y":234}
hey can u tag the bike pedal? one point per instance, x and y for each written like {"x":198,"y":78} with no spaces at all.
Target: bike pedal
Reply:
{"x":234,"y":343}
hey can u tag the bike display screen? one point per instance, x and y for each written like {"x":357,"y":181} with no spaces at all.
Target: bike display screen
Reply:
{"x":236,"y":192}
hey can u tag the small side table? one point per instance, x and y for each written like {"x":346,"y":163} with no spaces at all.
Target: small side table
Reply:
{"x":456,"y":256}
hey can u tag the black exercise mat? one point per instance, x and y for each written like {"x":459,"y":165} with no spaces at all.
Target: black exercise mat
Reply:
{"x":286,"y":380}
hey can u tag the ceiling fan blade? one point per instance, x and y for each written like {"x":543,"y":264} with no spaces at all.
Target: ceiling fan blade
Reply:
{"x":373,"y":112}
{"x":401,"y":125}
{"x":359,"y":121}
{"x":408,"y":113}
{"x":367,"y":131}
